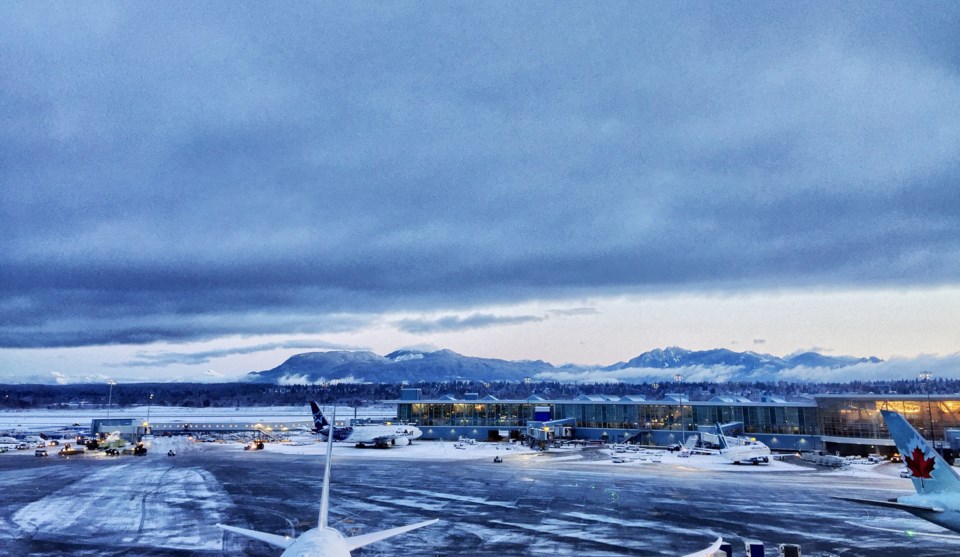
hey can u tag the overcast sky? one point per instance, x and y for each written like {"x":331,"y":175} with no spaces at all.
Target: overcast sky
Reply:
{"x":193,"y":190}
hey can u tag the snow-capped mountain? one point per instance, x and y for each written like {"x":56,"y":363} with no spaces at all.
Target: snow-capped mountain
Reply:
{"x":674,"y":357}
{"x":402,"y":365}
{"x":446,"y":365}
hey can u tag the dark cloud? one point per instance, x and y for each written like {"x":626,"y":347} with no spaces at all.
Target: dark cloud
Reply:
{"x":455,"y":323}
{"x":160,"y":326}
{"x":164,"y":170}
{"x":162,"y":359}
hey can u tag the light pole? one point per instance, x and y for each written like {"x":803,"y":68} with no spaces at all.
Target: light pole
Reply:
{"x":149,"y":402}
{"x":683,"y":429}
{"x":110,"y":396}
{"x":925,"y":378}
{"x":655,"y":386}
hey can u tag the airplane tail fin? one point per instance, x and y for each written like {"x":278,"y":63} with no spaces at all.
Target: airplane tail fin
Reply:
{"x":319,"y":421}
{"x":721,"y":440}
{"x":367,"y":539}
{"x":928,"y":470}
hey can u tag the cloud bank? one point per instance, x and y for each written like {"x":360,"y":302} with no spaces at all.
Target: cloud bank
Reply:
{"x":169,"y":171}
{"x":162,"y":359}
{"x":893,"y":369}
{"x":456,"y":323}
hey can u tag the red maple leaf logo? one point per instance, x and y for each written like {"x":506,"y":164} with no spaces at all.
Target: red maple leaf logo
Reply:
{"x":920,"y":466}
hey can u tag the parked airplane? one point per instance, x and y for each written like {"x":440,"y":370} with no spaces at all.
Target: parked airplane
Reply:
{"x":936,"y":482}
{"x":378,"y":435}
{"x":323,"y":541}
{"x":742,"y":450}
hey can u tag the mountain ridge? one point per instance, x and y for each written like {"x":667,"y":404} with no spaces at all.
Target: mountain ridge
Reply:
{"x":446,"y":365}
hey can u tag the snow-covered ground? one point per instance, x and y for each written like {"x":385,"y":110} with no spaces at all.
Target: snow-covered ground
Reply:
{"x":573,"y":501}
{"x":137,"y":508}
{"x":432,"y":450}
{"x":516,"y":453}
{"x":435,"y":450}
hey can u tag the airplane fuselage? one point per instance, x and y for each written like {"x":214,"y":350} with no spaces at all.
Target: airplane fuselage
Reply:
{"x":747,"y":453}
{"x":318,"y":542}
{"x":377,"y":435}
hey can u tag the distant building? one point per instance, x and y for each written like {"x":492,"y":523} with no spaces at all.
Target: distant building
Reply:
{"x":130,"y":429}
{"x":784,"y":425}
{"x":849,"y":424}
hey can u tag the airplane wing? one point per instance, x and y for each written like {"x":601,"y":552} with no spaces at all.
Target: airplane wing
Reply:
{"x":367,"y":539}
{"x":893,"y":505}
{"x":272,"y":539}
{"x":708,"y":552}
{"x":911,"y":533}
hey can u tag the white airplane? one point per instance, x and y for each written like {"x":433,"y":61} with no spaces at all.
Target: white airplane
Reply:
{"x":323,"y":541}
{"x":378,"y":435}
{"x":936,"y":482}
{"x":741,"y":450}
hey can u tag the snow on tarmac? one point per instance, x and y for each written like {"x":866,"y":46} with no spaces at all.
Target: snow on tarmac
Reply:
{"x":434,"y":450}
{"x":517,"y":453}
{"x":147,"y":504}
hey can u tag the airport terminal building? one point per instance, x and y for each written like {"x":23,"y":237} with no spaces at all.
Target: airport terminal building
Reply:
{"x":849,"y":424}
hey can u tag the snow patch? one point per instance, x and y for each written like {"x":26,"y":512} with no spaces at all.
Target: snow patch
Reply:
{"x":408,"y":356}
{"x":300,"y":379}
{"x":144,"y":504}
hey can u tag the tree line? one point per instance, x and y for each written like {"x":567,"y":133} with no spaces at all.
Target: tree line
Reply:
{"x":222,"y":395}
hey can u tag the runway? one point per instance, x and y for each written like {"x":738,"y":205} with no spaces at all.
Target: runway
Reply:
{"x":549,"y":505}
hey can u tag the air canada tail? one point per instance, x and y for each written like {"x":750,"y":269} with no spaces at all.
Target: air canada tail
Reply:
{"x":928,"y":470}
{"x":319,"y":422}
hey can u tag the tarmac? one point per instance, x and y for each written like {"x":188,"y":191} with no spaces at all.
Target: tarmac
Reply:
{"x":559,"y":503}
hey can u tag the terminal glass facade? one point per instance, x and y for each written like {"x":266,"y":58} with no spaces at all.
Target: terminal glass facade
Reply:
{"x":463,"y":414}
{"x":756,"y":418}
{"x":860,"y":418}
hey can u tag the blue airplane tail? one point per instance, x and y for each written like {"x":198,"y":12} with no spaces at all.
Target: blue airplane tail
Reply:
{"x":319,"y":421}
{"x":928,"y":470}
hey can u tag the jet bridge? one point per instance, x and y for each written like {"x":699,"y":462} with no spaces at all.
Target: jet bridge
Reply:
{"x":541,"y":433}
